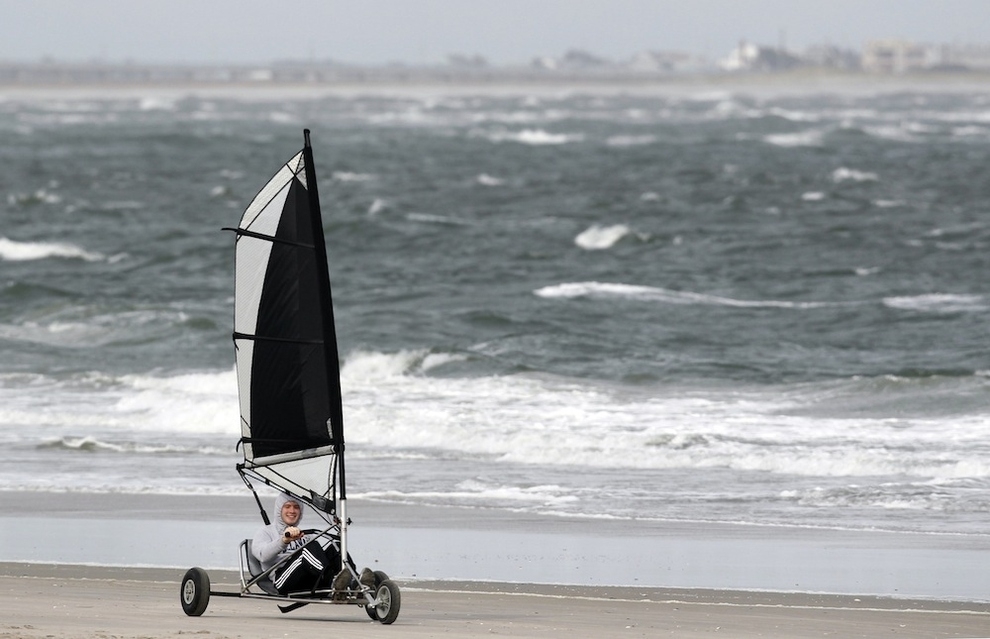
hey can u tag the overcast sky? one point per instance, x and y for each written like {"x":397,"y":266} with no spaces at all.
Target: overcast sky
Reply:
{"x":426,"y":31}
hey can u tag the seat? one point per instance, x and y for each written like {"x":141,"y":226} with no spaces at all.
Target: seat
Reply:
{"x":255,"y":569}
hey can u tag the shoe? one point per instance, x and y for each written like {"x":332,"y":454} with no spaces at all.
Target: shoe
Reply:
{"x":341,"y":583}
{"x":367,"y":578}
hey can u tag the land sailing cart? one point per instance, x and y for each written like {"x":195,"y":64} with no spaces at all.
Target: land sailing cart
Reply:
{"x":288,"y":381}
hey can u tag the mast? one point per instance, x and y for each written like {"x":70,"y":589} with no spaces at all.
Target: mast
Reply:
{"x":336,"y":421}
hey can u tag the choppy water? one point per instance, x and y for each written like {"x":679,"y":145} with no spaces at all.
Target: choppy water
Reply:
{"x":707,"y":306}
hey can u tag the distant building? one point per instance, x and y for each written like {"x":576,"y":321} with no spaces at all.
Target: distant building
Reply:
{"x":665,"y":62}
{"x":896,"y":56}
{"x":753,"y":57}
{"x":831,"y":57}
{"x":459,"y":61}
{"x":968,"y":57}
{"x":573,"y":60}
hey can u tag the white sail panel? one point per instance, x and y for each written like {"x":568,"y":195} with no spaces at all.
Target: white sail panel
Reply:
{"x":299,"y":476}
{"x":244,"y":355}
{"x":261,"y":216}
{"x":252,"y":261}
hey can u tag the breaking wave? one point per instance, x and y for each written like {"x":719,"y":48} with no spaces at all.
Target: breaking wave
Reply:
{"x":656,"y":294}
{"x":12,"y":251}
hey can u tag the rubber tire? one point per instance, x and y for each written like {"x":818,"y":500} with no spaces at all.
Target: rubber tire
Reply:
{"x":379,"y":578}
{"x":389,"y":601}
{"x":194,"y":592}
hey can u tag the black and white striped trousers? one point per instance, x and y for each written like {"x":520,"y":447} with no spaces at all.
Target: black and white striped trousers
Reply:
{"x":304,"y":569}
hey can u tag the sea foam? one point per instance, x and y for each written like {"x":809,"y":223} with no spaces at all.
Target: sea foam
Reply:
{"x":601,"y":237}
{"x":804,"y":138}
{"x":844,"y":174}
{"x":534,"y":137}
{"x":656,"y":294}
{"x":937,"y":303}
{"x":13,"y":251}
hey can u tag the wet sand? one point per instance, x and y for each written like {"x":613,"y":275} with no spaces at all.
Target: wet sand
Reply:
{"x":86,"y":602}
{"x":453,"y":543}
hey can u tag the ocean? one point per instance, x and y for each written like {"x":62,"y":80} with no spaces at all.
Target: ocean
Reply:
{"x":701,"y":305}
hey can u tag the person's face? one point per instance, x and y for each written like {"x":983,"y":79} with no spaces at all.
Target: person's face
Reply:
{"x":291,"y":513}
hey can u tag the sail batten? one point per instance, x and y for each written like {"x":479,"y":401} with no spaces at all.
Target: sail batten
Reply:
{"x":285,"y":342}
{"x":276,"y":339}
{"x":270,"y":238}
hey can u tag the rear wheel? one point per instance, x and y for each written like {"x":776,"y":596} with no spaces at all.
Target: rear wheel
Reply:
{"x":194,"y":592}
{"x":379,"y":578}
{"x":388,"y":601}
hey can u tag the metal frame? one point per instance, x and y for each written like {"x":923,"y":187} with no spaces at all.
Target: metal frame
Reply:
{"x":363,"y":596}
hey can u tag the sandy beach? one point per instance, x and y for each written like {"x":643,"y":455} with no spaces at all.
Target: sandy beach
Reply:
{"x":467,"y":573}
{"x":90,"y":602}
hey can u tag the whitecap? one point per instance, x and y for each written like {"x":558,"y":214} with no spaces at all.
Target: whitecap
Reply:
{"x":488,"y":180}
{"x":891,"y":132}
{"x":936,"y":303}
{"x":12,"y":251}
{"x":596,"y":237}
{"x":919,"y":127}
{"x":377,"y":206}
{"x":435,"y":360}
{"x":280,"y":117}
{"x":482,"y":492}
{"x":795,"y":116}
{"x":431,"y":218}
{"x":804,"y":138}
{"x":534,"y":137}
{"x":630,"y":140}
{"x":41,"y":196}
{"x":969,"y":131}
{"x":813,"y":196}
{"x":85,"y":331}
{"x":156,"y":104}
{"x":90,"y":444}
{"x":371,"y":365}
{"x":843,"y":174}
{"x":86,"y":444}
{"x":348,"y":176}
{"x":197,"y":402}
{"x":656,"y":294}
{"x":122,"y":205}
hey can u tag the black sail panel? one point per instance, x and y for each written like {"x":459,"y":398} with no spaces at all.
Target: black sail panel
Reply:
{"x":290,"y":406}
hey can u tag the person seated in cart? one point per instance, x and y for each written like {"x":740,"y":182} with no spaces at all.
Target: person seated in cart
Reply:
{"x":312,"y":565}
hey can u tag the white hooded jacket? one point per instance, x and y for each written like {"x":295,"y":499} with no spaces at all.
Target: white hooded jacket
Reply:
{"x":267,"y":544}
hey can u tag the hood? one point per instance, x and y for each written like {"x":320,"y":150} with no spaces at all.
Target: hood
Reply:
{"x":279,"y":502}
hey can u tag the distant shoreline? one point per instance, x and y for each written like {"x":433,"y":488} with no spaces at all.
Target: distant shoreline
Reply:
{"x":801,"y":82}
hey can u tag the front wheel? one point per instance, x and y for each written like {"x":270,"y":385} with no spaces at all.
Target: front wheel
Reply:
{"x":194,"y":592}
{"x":387,"y":602}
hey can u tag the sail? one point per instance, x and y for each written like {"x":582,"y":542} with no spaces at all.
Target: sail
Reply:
{"x":284,"y":339}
